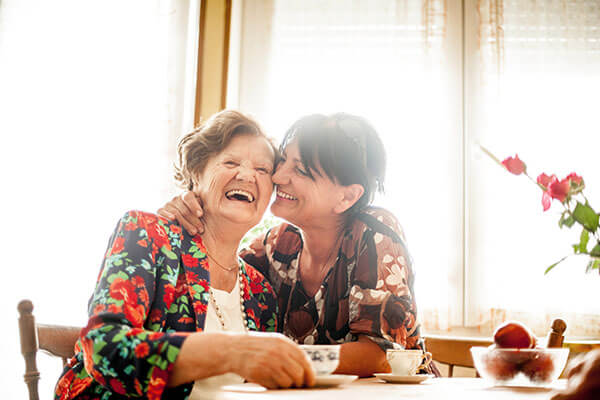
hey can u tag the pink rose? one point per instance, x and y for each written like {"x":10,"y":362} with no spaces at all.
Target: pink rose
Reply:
{"x":545,"y":180}
{"x":546,"y":201}
{"x":514,"y":165}
{"x":576,"y":179}
{"x":559,"y":189}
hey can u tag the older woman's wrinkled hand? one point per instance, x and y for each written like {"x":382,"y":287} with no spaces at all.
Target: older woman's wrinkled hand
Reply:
{"x":271,"y":360}
{"x":186,"y":209}
{"x":584,"y":378}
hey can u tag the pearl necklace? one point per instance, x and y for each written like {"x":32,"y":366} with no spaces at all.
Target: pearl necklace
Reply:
{"x":218,"y":309}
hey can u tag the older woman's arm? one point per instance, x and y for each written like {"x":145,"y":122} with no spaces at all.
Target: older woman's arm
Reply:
{"x":123,"y":349}
{"x":269,"y":359}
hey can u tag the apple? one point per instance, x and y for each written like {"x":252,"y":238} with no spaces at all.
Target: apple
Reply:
{"x":540,"y":368}
{"x":514,"y":335}
{"x":498,"y":367}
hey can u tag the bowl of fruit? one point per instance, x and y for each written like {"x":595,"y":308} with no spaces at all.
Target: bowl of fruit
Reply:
{"x":515,"y":359}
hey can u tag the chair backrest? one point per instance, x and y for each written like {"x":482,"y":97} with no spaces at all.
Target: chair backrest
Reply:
{"x":453,"y":351}
{"x":56,"y":340}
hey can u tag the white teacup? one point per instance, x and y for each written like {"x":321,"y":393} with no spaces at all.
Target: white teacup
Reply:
{"x":324,"y":358}
{"x":407,"y":362}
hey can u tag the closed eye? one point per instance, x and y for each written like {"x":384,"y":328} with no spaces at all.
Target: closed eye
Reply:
{"x":301,"y":172}
{"x":263,"y":170}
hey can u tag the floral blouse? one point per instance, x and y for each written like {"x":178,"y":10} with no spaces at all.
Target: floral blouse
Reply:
{"x":152,"y":291}
{"x":369,"y":290}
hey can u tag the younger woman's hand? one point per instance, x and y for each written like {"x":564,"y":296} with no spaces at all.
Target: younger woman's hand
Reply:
{"x":186,"y":209}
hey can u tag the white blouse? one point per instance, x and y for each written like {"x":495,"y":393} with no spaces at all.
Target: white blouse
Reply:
{"x":229,"y":304}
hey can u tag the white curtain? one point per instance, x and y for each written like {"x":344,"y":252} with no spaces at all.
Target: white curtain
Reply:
{"x":91,"y":101}
{"x":525,"y":84}
{"x":539,"y":83}
{"x":389,"y":62}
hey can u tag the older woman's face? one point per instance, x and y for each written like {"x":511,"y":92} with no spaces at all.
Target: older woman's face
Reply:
{"x":301,"y":200}
{"x":236,"y":183}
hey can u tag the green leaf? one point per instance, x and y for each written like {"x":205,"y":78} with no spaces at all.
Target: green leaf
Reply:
{"x":99,"y":345}
{"x":168,"y":253}
{"x":581,"y":247}
{"x":172,"y":352}
{"x":555,"y":264}
{"x":568,"y":221}
{"x":120,"y":274}
{"x":163,"y":364}
{"x":154,"y":359}
{"x":593,"y":264}
{"x":118,"y":337}
{"x":586,"y":216}
{"x":595,"y":251}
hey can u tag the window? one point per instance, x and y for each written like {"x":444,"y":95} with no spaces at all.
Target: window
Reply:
{"x":438,"y":78}
{"x":92,"y":99}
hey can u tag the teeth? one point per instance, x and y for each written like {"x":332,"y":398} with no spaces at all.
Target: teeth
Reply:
{"x":240,"y":192}
{"x":286,"y":196}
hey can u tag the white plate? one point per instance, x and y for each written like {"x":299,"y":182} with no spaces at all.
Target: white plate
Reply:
{"x":391,"y":378}
{"x":333,"y":380}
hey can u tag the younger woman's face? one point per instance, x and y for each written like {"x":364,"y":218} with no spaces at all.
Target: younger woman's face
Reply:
{"x":300,"y":199}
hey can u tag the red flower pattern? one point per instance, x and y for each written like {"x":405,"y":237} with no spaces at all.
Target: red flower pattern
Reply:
{"x":135,"y":314}
{"x":156,"y":315}
{"x":117,"y":386}
{"x":142,"y":350}
{"x":158,"y":235}
{"x":157,"y":384}
{"x":200,"y":308}
{"x":122,"y":289}
{"x":118,"y":245}
{"x":189,"y":260}
{"x":169,"y":296}
{"x":125,"y":294}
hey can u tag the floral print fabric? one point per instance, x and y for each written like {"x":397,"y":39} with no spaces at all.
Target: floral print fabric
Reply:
{"x":152,"y":291}
{"x":369,"y":290}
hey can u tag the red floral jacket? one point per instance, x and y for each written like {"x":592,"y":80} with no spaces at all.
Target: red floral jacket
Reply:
{"x":152,"y":291}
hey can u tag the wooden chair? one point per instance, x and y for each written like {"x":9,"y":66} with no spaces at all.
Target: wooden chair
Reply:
{"x":453,"y":351}
{"x":56,"y":340}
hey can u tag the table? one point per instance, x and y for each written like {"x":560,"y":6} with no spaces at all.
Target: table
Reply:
{"x":373,"y":388}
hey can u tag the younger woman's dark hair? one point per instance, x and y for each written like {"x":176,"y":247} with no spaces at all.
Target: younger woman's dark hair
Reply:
{"x":346,"y":147}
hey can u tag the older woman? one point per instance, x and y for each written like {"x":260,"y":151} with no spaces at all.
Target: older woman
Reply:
{"x":170,"y":308}
{"x":341,"y":270}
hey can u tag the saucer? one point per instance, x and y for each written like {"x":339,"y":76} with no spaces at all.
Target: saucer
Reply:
{"x":322,"y":381}
{"x":392,"y":378}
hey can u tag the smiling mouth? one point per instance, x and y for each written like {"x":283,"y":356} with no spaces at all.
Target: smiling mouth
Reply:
{"x":240,"y":195}
{"x":286,"y":196}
